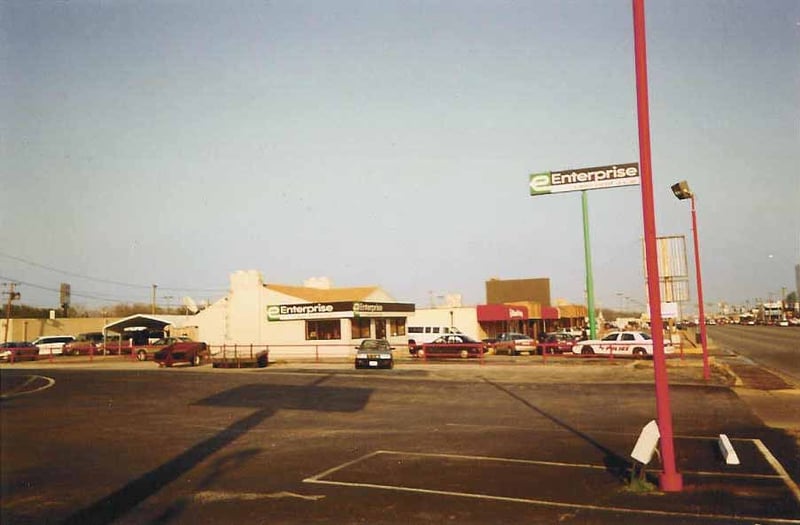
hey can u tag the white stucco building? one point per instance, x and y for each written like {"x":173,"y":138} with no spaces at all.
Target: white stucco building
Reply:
{"x":291,"y":317}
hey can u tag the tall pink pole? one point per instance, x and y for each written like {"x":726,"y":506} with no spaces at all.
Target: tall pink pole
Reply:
{"x":701,"y":310}
{"x":670,"y":480}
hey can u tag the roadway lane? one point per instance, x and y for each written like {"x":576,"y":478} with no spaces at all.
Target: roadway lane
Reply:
{"x":774,"y":347}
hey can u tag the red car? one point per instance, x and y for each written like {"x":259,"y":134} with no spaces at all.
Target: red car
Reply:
{"x":556,"y":342}
{"x":452,"y":345}
{"x":18,"y":351}
{"x":182,"y":351}
{"x":89,"y":343}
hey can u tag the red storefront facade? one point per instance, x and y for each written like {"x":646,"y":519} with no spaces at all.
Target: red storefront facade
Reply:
{"x":496,"y":318}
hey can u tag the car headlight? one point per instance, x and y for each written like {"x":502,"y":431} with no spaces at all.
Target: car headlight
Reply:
{"x":386,"y":356}
{"x":361,"y":356}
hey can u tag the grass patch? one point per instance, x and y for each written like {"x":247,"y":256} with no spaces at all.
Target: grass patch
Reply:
{"x":639,"y":486}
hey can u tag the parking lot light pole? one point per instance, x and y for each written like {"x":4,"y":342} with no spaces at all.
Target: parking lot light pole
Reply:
{"x":682,"y":192}
{"x":669,"y":480}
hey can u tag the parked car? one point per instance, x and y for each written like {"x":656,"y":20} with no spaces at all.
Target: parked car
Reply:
{"x":638,"y":344}
{"x":180,"y":351}
{"x":374,"y":353}
{"x":85,"y":344}
{"x":52,"y":344}
{"x":577,"y":333}
{"x":556,"y":342}
{"x":452,"y":345}
{"x":115,"y":345}
{"x":514,"y":343}
{"x":18,"y":351}
{"x":147,"y":351}
{"x":421,"y":334}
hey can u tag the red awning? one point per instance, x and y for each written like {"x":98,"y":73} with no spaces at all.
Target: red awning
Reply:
{"x":501,"y":312}
{"x":550,"y":312}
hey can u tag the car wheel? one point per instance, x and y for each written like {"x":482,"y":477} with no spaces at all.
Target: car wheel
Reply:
{"x":639,"y":352}
{"x":464,"y":354}
{"x":587,"y":350}
{"x":196,"y":360}
{"x":141,"y":355}
{"x":421,"y":353}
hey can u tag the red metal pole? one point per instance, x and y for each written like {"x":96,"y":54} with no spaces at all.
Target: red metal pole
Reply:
{"x":670,"y":479}
{"x":701,"y":310}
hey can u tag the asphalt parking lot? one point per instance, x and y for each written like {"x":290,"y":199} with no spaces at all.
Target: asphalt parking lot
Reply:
{"x":503,"y":442}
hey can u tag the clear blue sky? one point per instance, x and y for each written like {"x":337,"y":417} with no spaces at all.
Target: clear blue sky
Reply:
{"x":388,"y":143}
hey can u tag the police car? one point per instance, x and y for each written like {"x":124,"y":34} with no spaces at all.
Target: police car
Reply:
{"x":638,"y":344}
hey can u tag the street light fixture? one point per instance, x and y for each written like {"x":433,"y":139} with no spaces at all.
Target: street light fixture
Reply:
{"x":682,"y":192}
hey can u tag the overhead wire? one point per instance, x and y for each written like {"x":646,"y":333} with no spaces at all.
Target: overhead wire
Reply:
{"x":106,"y":281}
{"x":46,"y":288}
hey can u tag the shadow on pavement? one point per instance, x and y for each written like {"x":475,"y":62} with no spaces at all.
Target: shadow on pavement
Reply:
{"x":267,"y":398}
{"x":615,"y":464}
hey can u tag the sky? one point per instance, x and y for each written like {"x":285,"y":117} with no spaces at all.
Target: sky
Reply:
{"x":389,"y":143}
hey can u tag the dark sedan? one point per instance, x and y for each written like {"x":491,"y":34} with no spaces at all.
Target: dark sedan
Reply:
{"x":452,"y":345}
{"x":374,"y":353}
{"x":18,"y":351}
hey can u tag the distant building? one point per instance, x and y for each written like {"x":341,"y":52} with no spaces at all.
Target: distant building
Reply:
{"x":512,"y":290}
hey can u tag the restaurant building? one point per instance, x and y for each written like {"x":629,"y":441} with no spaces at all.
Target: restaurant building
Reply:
{"x":518,"y":305}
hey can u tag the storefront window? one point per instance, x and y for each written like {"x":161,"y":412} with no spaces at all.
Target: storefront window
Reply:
{"x":397,"y":326}
{"x":323,"y":330}
{"x":360,"y":328}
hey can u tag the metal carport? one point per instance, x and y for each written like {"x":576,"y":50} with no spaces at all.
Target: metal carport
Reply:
{"x":135,"y":323}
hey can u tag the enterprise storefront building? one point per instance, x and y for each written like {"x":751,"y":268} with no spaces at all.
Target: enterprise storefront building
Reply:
{"x":314,"y":315}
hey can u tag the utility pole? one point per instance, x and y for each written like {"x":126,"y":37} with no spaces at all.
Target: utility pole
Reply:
{"x":12,"y":296}
{"x":153,"y":306}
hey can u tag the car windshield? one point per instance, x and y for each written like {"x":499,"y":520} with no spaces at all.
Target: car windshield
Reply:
{"x":644,"y":336}
{"x":611,"y":337}
{"x":372,"y":344}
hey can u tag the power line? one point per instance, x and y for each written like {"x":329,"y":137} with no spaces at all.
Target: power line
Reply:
{"x":56,"y":290}
{"x":105,"y":281}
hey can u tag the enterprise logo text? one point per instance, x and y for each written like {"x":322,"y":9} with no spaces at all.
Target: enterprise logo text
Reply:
{"x":613,"y":172}
{"x":300,"y":309}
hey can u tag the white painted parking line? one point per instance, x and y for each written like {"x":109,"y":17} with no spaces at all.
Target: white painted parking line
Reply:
{"x":583,"y":430}
{"x":49,"y":381}
{"x":319,"y":479}
{"x":780,"y":472}
{"x":211,"y":496}
{"x":773,"y":461}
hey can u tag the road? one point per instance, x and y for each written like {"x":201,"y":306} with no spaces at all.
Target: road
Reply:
{"x":774,"y":347}
{"x":471,"y":444}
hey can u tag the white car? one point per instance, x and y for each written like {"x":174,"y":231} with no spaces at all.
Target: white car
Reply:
{"x":621,"y":343}
{"x":52,"y":344}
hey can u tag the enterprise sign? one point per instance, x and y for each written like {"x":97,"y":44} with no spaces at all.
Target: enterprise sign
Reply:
{"x":585,"y":179}
{"x":335,"y":310}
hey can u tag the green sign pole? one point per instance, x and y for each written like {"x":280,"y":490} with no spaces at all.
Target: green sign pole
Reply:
{"x":587,"y":249}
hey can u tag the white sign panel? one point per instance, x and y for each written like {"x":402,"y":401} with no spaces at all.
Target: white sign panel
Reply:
{"x":647,"y":442}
